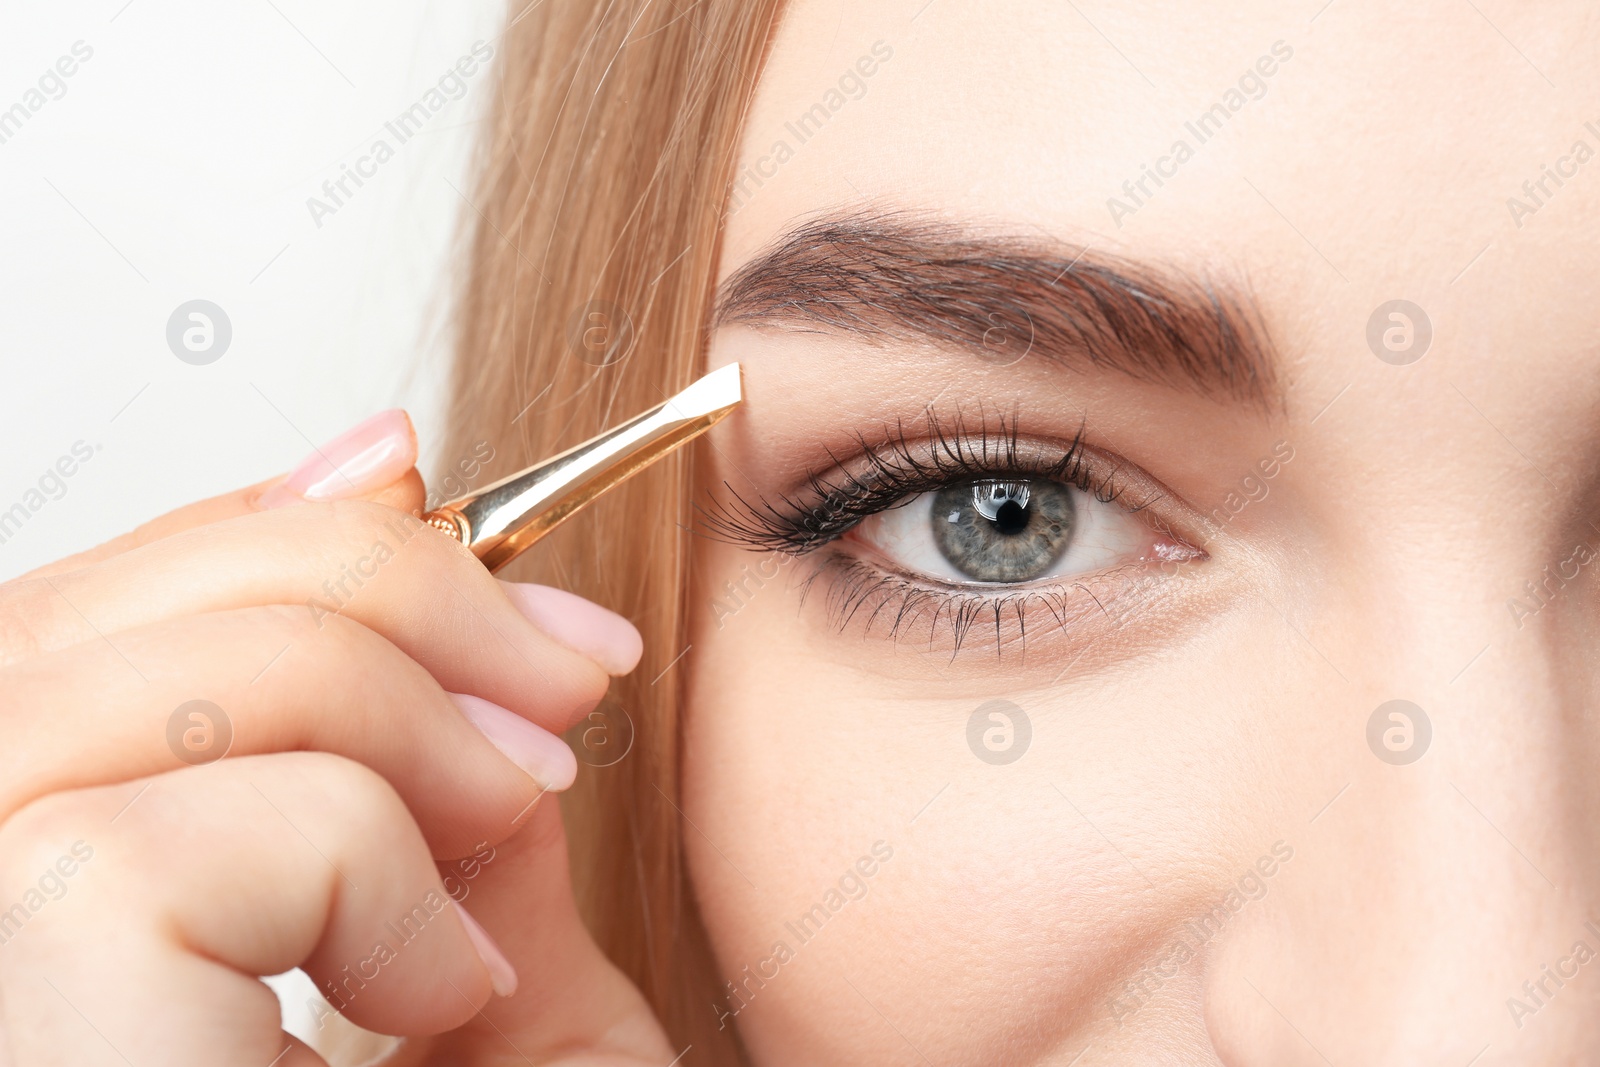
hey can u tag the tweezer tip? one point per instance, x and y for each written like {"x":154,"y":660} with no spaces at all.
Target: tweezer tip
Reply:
{"x":715,"y":392}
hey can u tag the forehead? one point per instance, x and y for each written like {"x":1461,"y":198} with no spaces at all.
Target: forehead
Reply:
{"x":1337,"y":159}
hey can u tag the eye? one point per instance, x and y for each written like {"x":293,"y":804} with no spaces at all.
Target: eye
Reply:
{"x":1008,"y":532}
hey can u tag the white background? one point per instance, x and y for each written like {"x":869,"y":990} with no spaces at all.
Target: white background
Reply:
{"x":177,"y":166}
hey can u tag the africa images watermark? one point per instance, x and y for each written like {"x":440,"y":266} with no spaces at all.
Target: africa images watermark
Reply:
{"x":1252,"y":85}
{"x":358,"y":573}
{"x":452,"y":85}
{"x":341,"y":591}
{"x":765,"y":569}
{"x":1538,"y":991}
{"x":51,"y":85}
{"x":851,"y":85}
{"x":1253,"y":488}
{"x":1552,"y":580}
{"x":51,"y":885}
{"x":853,"y":885}
{"x":1539,"y":191}
{"x":338,"y":991}
{"x":52,"y":485}
{"x":460,"y":477}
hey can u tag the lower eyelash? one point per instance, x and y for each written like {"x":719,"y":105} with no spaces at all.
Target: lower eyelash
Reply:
{"x":853,"y":585}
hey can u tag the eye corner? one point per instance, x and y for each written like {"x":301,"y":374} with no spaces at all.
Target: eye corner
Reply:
{"x":1177,"y":550}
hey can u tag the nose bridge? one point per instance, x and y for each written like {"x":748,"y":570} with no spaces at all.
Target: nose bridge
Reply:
{"x":1470,"y":864}
{"x":1488,"y":847}
{"x":1477,"y":689}
{"x":1475,"y":819}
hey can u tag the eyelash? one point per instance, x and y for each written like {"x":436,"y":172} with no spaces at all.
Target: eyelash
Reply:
{"x":895,"y":472}
{"x":892,"y":473}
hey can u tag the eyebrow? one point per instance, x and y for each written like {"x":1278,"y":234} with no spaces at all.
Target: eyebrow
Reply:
{"x":903,"y":278}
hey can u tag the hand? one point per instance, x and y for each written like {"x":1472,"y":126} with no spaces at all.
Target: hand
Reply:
{"x":374,"y":702}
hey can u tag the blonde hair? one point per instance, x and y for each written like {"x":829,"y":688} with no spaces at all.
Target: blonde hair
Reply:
{"x":594,"y":236}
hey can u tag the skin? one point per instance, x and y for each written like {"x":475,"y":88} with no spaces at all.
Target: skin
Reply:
{"x":1179,"y":741}
{"x":1166,"y":761}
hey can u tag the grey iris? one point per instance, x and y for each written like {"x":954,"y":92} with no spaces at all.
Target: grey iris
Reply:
{"x":1003,"y":531}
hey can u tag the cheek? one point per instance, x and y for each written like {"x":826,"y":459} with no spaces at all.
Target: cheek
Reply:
{"x":803,"y":750}
{"x":796,"y":764}
{"x":794,"y":772}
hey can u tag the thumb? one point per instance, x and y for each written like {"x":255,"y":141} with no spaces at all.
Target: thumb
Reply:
{"x":373,"y":460}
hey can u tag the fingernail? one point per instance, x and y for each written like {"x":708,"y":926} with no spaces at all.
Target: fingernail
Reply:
{"x":542,"y":754}
{"x":581,"y":625}
{"x":502,"y":976}
{"x":366,"y":457}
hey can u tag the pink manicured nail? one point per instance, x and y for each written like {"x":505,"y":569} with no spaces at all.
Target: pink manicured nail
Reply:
{"x":581,"y":625}
{"x":502,"y":976}
{"x":365,"y":457}
{"x":545,"y":757}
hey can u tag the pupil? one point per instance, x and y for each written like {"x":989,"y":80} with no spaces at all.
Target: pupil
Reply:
{"x":1011,"y":518}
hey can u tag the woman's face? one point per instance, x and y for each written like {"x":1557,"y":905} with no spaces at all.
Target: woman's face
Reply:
{"x":1234,"y":371}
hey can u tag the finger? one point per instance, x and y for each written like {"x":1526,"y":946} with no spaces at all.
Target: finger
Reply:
{"x":384,"y":569}
{"x":331,"y":876}
{"x":406,"y":494}
{"x":374,"y":460}
{"x":258,"y":680}
{"x":570,"y":999}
